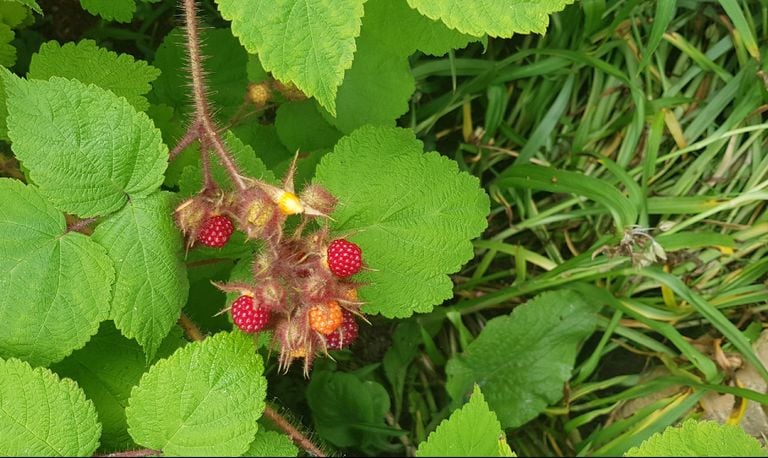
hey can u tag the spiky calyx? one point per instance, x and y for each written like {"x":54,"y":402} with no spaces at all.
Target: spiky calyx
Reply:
{"x":249,"y":316}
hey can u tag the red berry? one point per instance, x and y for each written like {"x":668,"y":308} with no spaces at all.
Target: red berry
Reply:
{"x":345,"y":335}
{"x":344,"y":258}
{"x":216,"y":231}
{"x":247,"y":317}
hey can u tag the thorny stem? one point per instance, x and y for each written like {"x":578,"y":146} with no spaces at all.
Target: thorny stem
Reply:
{"x":193,"y":333}
{"x":295,"y":435}
{"x":203,"y":127}
{"x":190,"y":328}
{"x":192,"y":134}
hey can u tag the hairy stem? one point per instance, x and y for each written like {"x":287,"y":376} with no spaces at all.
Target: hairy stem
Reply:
{"x":192,"y":134}
{"x":298,"y":438}
{"x":208,"y":131}
{"x":190,"y":328}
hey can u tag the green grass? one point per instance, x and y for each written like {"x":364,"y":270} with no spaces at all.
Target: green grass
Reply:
{"x":612,"y":119}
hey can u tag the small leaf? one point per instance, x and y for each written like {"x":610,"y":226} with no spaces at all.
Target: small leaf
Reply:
{"x":55,"y":284}
{"x":43,"y":415}
{"x":497,"y":18}
{"x":271,"y":443}
{"x":107,"y":369}
{"x":7,"y":50}
{"x":151,"y":284}
{"x":88,"y":63}
{"x":345,"y":408}
{"x":31,"y":4}
{"x":523,"y":359}
{"x":391,"y":32}
{"x":472,"y":430}
{"x":118,"y":10}
{"x":705,"y":438}
{"x":204,"y":400}
{"x":308,"y":42}
{"x":413,"y":215}
{"x":86,"y":148}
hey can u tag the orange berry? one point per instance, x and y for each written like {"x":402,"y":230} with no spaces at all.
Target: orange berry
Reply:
{"x":326,"y":318}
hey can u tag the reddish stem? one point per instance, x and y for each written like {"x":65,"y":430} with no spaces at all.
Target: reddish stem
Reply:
{"x":192,"y":134}
{"x":295,"y":435}
{"x":208,"y":131}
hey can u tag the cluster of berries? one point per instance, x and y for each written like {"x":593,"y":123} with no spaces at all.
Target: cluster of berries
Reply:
{"x":301,"y":287}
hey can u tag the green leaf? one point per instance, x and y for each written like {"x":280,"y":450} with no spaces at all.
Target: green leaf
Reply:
{"x":31,"y":4}
{"x":271,"y":443}
{"x":523,"y":359}
{"x":7,"y":50}
{"x":191,"y":180}
{"x":225,"y":65}
{"x":117,"y":10}
{"x":204,"y":400}
{"x":86,"y":148}
{"x":151,"y":285}
{"x":390,"y":33}
{"x":345,"y":408}
{"x":497,"y":18}
{"x":88,"y":63}
{"x":700,"y":438}
{"x":56,"y":284}
{"x":413,"y":215}
{"x":13,"y":12}
{"x":308,"y":42}
{"x":301,"y":127}
{"x":43,"y":415}
{"x":472,"y":430}
{"x":107,"y":368}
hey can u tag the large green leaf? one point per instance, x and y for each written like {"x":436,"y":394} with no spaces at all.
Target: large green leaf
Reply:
{"x":472,"y":430}
{"x":497,"y":18}
{"x":42,"y":415}
{"x":151,"y":285}
{"x":55,"y":284}
{"x":107,"y":369}
{"x":391,"y":32}
{"x":308,"y":42}
{"x":86,"y":148}
{"x":522,"y":360}
{"x":88,"y":63}
{"x":204,"y":400}
{"x":705,"y":438}
{"x":413,"y":215}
